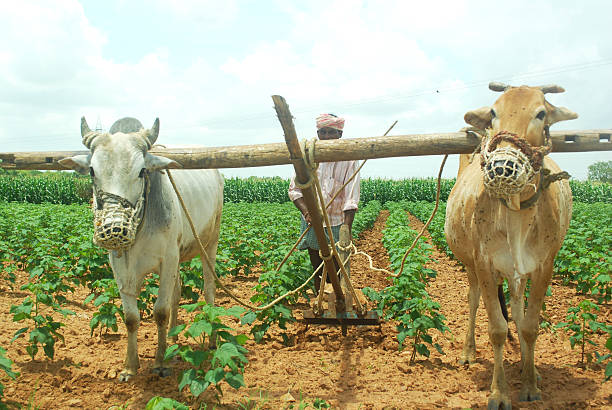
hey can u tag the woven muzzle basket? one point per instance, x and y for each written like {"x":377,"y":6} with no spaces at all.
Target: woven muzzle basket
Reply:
{"x":115,"y":225}
{"x":506,"y":171}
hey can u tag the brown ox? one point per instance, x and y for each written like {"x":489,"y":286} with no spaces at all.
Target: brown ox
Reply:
{"x":503,"y":229}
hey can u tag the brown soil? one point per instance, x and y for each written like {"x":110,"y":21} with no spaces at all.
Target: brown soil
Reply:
{"x":363,"y":370}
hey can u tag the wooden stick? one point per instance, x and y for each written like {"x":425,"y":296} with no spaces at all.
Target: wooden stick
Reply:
{"x":242,"y":156}
{"x":302,"y":176}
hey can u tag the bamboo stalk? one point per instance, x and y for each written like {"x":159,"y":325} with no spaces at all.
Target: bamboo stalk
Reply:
{"x":243,"y":156}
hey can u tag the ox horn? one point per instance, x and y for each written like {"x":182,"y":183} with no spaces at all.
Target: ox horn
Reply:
{"x":86,"y":133}
{"x":153,"y":133}
{"x":497,"y":86}
{"x":551,"y":88}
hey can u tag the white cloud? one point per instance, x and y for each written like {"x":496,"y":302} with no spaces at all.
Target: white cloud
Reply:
{"x":204,"y":13}
{"x":423,"y":64}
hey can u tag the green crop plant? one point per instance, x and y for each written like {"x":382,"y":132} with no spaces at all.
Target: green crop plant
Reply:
{"x":585,"y":258}
{"x":6,"y":368}
{"x":106,"y":298}
{"x":209,"y":367}
{"x":407,"y":300}
{"x":422,"y":210}
{"x":591,"y":192}
{"x":164,"y":403}
{"x":412,"y":189}
{"x":582,"y":324}
{"x":278,"y":229}
{"x":49,"y":187}
{"x":368,"y":213}
{"x":607,"y":357}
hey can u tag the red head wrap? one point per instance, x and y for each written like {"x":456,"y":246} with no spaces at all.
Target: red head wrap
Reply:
{"x":330,"y":121}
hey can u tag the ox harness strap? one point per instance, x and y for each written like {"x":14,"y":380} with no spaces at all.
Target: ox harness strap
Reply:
{"x":546,"y":178}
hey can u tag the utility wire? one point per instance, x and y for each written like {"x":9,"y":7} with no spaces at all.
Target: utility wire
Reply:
{"x":344,"y":106}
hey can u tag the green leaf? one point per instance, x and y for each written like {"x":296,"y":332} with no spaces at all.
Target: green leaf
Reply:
{"x":248,"y":318}
{"x":176,"y":330}
{"x":164,"y":403}
{"x":19,"y":333}
{"x":236,"y":380}
{"x":241,"y":339}
{"x":225,"y":353}
{"x":186,"y":378}
{"x":196,"y":329}
{"x":194,"y":357}
{"x":171,"y":352}
{"x":235,"y":311}
{"x":608,"y":373}
{"x":198,"y":387}
{"x":191,"y":307}
{"x":214,"y":376}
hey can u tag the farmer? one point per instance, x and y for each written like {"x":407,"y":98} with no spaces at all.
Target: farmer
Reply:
{"x":332,"y":176}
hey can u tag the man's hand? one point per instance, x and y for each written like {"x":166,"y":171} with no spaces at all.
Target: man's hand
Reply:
{"x":307,"y":218}
{"x":301,"y":205}
{"x":349,"y":216}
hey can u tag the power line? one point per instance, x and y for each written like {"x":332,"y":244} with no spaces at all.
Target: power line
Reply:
{"x":345,"y":105}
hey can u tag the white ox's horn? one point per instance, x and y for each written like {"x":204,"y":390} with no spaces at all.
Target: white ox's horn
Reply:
{"x":497,"y":86}
{"x":86,"y":133}
{"x":153,"y":133}
{"x":551,"y":88}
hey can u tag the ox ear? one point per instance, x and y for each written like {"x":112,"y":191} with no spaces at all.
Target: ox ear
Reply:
{"x":556,"y":114}
{"x":155,"y":163}
{"x":79,"y":163}
{"x":479,"y":118}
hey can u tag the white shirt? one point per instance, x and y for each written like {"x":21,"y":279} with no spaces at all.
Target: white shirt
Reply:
{"x":332,"y":175}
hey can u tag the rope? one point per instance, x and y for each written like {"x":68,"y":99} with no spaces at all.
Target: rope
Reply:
{"x":308,"y":154}
{"x":546,"y":178}
{"x":206,"y":260}
{"x":395,"y":275}
{"x":308,"y":151}
{"x":519,"y":166}
{"x":334,"y":252}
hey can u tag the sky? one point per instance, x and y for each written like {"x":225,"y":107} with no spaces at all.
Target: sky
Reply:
{"x":208,"y":69}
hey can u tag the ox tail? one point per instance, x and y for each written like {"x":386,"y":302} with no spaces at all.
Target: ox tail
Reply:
{"x":504,"y":308}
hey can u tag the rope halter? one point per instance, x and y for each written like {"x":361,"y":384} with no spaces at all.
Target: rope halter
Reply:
{"x":507,"y":170}
{"x":117,"y":220}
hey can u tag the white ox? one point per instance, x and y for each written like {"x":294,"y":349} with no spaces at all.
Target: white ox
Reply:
{"x":138,"y":217}
{"x":503,"y":229}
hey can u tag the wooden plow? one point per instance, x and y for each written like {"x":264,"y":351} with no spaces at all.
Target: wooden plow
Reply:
{"x":344,"y":307}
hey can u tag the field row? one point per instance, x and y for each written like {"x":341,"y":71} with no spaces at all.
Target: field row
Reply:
{"x":53,"y":244}
{"x":69,"y":188}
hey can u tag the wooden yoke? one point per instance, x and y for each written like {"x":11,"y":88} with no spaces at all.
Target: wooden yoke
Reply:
{"x":303,"y":176}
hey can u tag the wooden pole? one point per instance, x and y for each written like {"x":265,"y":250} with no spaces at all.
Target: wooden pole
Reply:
{"x":302,"y":176}
{"x":243,"y":156}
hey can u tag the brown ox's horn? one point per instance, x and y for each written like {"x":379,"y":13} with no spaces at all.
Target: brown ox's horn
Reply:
{"x":551,"y":88}
{"x":86,"y":133}
{"x":153,"y":133}
{"x":496,"y":86}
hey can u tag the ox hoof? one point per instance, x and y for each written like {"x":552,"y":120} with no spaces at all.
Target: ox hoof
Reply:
{"x":162,"y":371}
{"x":463,"y":360}
{"x":499,"y":401}
{"x":125,"y":376}
{"x":530,"y":394}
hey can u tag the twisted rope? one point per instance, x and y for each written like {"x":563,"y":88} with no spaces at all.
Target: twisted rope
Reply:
{"x":206,"y":260}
